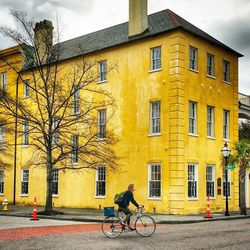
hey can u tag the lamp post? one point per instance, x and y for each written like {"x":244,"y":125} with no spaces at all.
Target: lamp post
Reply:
{"x":226,"y":153}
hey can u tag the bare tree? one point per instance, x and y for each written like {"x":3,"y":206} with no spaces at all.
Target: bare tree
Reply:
{"x":59,"y":119}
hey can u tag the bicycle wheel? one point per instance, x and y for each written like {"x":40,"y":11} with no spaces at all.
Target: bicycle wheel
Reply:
{"x":111,"y":226}
{"x":145,"y":226}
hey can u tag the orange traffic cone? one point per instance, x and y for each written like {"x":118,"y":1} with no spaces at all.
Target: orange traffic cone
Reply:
{"x":208,"y":213}
{"x":34,"y":211}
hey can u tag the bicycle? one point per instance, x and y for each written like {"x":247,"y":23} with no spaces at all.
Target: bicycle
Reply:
{"x":144,"y":225}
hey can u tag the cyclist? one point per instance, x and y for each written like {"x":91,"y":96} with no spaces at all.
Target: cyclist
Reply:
{"x":124,"y":204}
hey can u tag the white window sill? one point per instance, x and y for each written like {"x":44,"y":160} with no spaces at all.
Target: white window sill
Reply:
{"x":212,"y":77}
{"x":224,"y":198}
{"x":54,"y":195}
{"x":154,"y":198}
{"x":193,"y":199}
{"x":154,"y":70}
{"x":100,"y":197}
{"x":75,"y":113}
{"x":226,"y":140}
{"x":100,"y":82}
{"x":210,"y":138}
{"x":194,"y":70}
{"x":74,"y":163}
{"x":24,"y":195}
{"x":194,"y":135}
{"x":212,"y":198}
{"x":1,"y":194}
{"x":26,"y":97}
{"x":101,"y":139}
{"x":226,"y":82}
{"x":156,"y":134}
{"x":25,"y":146}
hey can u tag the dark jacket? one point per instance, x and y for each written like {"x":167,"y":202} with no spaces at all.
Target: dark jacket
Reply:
{"x":128,"y":196}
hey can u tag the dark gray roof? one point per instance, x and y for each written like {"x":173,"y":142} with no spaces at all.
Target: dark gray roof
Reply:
{"x":159,"y":23}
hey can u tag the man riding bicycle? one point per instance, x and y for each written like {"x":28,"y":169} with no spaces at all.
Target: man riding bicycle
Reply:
{"x":124,"y":204}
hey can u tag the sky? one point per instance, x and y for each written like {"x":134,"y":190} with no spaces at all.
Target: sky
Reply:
{"x":226,"y":20}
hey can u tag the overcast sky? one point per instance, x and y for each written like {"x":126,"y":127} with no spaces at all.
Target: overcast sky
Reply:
{"x":226,"y":20}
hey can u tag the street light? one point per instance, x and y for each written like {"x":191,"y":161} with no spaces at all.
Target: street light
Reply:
{"x":226,"y":153}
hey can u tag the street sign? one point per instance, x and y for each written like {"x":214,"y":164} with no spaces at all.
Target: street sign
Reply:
{"x":231,"y":166}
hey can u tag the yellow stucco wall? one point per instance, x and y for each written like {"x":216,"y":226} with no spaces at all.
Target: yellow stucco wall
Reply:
{"x":133,"y":86}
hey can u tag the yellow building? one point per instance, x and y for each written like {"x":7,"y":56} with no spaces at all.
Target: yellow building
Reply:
{"x":176,"y":92}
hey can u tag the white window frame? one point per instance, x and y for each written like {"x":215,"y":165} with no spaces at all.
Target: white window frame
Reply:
{"x":210,"y":65}
{"x":212,"y":180}
{"x":155,"y":58}
{"x":192,"y":118}
{"x":55,"y":181}
{"x":25,"y":133}
{"x":155,"y":118}
{"x":4,"y":81}
{"x":55,"y":135}
{"x":194,"y":180}
{"x":226,"y":124}
{"x":74,"y":149}
{"x":155,"y":180}
{"x":26,"y":88}
{"x":25,"y":179}
{"x":100,"y":177}
{"x":76,"y":101}
{"x":2,"y":136}
{"x":226,"y":71}
{"x":210,"y":121}
{"x":193,"y":58}
{"x":1,"y":182}
{"x":228,"y":181}
{"x":102,"y":71}
{"x":102,"y":114}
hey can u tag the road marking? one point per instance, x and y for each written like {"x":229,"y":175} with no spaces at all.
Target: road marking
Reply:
{"x":22,"y":233}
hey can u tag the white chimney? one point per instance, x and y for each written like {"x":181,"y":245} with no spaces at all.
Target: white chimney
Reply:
{"x":138,"y":17}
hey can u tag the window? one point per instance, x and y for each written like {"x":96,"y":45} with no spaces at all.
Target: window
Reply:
{"x":55,"y":135}
{"x":101,"y":181}
{"x":228,"y":183}
{"x":25,"y":133}
{"x":101,"y":123}
{"x":210,"y":177}
{"x":4,"y":81}
{"x":226,"y":124}
{"x":192,"y":117}
{"x":193,"y":58}
{"x":154,"y":180}
{"x":25,"y":181}
{"x":155,"y":117}
{"x":76,"y":101}
{"x":210,"y":121}
{"x":102,"y":66}
{"x":1,"y":181}
{"x":226,"y":70}
{"x":192,"y":180}
{"x":55,"y":182}
{"x":74,"y":148}
{"x":26,"y":88}
{"x":2,"y":136}
{"x":210,"y":65}
{"x":156,"y":58}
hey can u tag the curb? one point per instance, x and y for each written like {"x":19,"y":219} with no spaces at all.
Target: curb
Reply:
{"x":101,"y":219}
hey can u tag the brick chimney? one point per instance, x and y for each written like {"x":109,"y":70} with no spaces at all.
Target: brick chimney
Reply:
{"x":138,"y":17}
{"x":43,"y":39}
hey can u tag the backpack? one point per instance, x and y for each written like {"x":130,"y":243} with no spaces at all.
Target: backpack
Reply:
{"x":119,"y":197}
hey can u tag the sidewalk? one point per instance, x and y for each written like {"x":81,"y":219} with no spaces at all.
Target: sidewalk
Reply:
{"x":93,"y":215}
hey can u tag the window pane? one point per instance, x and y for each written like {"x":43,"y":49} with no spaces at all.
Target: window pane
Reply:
{"x":101,"y":181}
{"x":1,"y":181}
{"x":154,"y":180}
{"x":102,"y":123}
{"x":156,"y":58}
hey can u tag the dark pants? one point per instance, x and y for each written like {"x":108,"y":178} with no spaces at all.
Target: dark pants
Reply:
{"x":128,"y":214}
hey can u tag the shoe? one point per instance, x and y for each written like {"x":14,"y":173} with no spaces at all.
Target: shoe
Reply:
{"x":131,"y":229}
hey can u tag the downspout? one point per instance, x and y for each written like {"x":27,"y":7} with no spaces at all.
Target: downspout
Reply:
{"x":15,"y":146}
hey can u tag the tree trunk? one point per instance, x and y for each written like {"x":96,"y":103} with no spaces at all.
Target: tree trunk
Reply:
{"x":243,"y":210}
{"x":48,"y":205}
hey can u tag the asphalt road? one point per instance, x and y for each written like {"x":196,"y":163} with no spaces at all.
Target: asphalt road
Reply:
{"x":234,"y":234}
